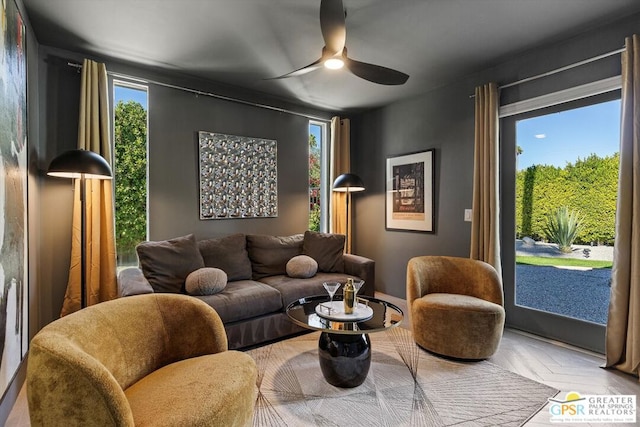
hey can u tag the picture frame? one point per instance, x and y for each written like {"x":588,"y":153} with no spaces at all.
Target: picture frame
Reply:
{"x":238,"y":176}
{"x":14,"y":241}
{"x":410,"y":192}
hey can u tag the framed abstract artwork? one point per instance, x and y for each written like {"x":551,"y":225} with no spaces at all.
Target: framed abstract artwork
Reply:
{"x":238,"y":176}
{"x":410,"y":192}
{"x":14,"y":301}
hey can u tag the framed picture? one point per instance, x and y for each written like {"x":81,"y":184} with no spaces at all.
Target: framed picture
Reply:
{"x":14,"y":298}
{"x":409,"y":192}
{"x":238,"y":176}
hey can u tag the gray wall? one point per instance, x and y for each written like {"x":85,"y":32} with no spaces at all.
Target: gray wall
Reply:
{"x":444,"y":119}
{"x":58,"y":124}
{"x":175,"y":117}
{"x":440,"y":120}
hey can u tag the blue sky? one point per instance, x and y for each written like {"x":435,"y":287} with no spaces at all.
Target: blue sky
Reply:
{"x":558,"y":138}
{"x":316,"y":131}
{"x":122,"y":93}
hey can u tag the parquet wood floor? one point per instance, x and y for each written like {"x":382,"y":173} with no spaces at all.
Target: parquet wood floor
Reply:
{"x":553,"y":363}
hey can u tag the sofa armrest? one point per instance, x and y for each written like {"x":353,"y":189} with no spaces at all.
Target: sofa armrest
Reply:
{"x":131,"y":281}
{"x":365,"y":269}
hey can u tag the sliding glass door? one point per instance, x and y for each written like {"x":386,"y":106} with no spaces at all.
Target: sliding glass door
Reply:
{"x":559,"y":183}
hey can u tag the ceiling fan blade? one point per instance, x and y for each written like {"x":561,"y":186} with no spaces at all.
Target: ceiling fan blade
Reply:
{"x":376,"y":73}
{"x":300,"y":71}
{"x":332,"y":24}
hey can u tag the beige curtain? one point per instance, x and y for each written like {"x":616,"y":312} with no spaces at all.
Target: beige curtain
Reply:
{"x":485,"y":223}
{"x":623,"y":325}
{"x":93,"y":134}
{"x":340,"y":163}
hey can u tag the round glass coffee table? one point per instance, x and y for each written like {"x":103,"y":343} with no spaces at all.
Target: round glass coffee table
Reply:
{"x":344,"y":348}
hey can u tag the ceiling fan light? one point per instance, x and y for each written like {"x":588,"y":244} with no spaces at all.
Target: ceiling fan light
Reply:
{"x":334,"y":63}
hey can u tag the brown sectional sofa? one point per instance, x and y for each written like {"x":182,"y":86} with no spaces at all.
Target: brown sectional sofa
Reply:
{"x":252,"y":304}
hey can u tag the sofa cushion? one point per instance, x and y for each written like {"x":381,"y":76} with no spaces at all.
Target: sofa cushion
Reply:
{"x":214,"y":389}
{"x":228,"y":253}
{"x":166,"y":264}
{"x":131,"y":281}
{"x":293,"y":289}
{"x":205,"y":281}
{"x":327,"y":249}
{"x":244,"y":299}
{"x":269,"y":254}
{"x":302,"y":267}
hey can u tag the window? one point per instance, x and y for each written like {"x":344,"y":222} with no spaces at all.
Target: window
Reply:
{"x":559,"y":161}
{"x":130,"y":160}
{"x":566,"y":190}
{"x":317,"y":176}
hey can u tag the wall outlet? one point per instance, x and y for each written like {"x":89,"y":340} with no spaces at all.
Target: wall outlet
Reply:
{"x":467,"y":215}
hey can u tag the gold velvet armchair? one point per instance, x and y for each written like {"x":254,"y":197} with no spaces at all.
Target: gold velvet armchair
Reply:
{"x":456,"y":306}
{"x":157,"y":359}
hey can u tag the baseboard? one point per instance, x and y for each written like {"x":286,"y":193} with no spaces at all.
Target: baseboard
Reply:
{"x":11,"y":394}
{"x":556,"y":343}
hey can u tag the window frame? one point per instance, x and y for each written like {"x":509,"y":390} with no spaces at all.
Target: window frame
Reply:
{"x":574,"y":331}
{"x":325,"y":185}
{"x":140,"y":87}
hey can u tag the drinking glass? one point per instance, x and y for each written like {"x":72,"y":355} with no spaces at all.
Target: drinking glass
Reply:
{"x":357,"y":284}
{"x":331,"y":288}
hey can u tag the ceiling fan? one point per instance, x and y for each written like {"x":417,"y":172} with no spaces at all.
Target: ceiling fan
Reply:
{"x":334,"y":52}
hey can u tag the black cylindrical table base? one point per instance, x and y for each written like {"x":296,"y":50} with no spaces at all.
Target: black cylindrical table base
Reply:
{"x":344,"y":358}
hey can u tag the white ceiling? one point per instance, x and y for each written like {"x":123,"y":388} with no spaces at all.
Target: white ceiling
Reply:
{"x":243,"y":42}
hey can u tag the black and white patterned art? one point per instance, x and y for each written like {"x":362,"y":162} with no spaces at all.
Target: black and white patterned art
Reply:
{"x":238,"y":176}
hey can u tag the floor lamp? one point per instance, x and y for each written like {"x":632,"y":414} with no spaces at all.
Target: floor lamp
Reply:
{"x":85,"y":165}
{"x":348,"y":183}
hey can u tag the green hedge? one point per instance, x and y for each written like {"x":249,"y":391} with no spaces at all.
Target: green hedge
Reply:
{"x":589,"y":187}
{"x":130,"y":135}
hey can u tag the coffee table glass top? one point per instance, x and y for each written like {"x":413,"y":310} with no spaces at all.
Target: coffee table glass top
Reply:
{"x":303,"y":312}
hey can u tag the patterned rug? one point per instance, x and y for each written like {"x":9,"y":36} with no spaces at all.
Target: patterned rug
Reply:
{"x":406,"y":386}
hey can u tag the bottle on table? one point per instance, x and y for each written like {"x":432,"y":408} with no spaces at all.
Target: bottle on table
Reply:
{"x":349,"y":293}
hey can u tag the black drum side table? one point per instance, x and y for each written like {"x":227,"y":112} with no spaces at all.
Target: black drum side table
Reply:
{"x":344,"y":348}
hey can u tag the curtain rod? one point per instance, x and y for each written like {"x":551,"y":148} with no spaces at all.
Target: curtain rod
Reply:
{"x":561,"y":69}
{"x":210,"y":94}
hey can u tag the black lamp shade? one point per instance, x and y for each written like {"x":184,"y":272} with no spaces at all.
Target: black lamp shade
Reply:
{"x":348,"y":183}
{"x":75,"y":163}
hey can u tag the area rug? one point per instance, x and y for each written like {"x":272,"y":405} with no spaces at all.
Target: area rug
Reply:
{"x":406,"y":386}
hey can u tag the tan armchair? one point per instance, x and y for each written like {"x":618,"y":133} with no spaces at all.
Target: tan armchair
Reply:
{"x":158,"y":359}
{"x":456,"y":306}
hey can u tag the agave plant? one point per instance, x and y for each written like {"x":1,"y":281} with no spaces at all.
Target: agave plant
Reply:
{"x":562,"y":228}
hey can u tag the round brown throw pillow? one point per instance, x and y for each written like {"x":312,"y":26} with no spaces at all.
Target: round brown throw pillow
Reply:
{"x":206,"y":281}
{"x":302,"y":267}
